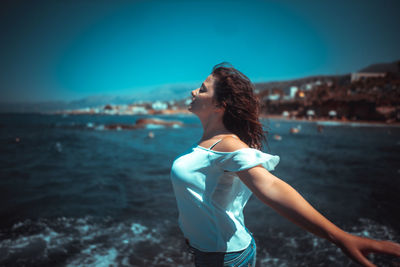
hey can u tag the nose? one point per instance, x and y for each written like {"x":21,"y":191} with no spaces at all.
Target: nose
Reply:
{"x":194,"y":92}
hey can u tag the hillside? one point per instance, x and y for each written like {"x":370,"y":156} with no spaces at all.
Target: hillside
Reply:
{"x":392,"y":67}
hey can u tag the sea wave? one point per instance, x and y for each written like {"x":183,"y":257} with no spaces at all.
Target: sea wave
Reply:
{"x":91,"y":241}
{"x":76,"y":242}
{"x":309,"y":250}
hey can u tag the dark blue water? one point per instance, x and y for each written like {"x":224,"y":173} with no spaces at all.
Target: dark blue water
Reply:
{"x":74,"y":194}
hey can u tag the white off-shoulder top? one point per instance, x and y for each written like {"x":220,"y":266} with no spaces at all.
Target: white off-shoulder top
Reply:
{"x":211,"y":197}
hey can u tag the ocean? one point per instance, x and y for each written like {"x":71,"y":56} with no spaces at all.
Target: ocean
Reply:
{"x":76,"y":194}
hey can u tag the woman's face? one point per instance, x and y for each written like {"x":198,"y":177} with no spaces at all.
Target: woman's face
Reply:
{"x":203,"y":98}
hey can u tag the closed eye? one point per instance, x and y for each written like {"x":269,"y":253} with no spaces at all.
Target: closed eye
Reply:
{"x":202,"y":88}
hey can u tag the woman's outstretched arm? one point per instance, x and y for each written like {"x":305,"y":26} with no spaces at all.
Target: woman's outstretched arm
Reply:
{"x":289,"y":203}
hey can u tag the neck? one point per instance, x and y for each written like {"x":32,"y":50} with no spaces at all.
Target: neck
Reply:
{"x":213,"y":126}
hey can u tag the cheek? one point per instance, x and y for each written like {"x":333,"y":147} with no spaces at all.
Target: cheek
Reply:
{"x":206,"y":102}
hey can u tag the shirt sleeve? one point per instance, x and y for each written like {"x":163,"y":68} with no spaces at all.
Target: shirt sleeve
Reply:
{"x":247,"y":158}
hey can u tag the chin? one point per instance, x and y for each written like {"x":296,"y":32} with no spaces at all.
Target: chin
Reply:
{"x":190,"y":109}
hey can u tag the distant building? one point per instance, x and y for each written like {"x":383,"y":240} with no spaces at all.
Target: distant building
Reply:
{"x":293,"y":91}
{"x":310,"y":114}
{"x":158,"y":105}
{"x":308,"y":86}
{"x":332,"y":114}
{"x":123,"y":108}
{"x":111,"y":112}
{"x":364,"y":75}
{"x":139,"y":110}
{"x":274,"y":97}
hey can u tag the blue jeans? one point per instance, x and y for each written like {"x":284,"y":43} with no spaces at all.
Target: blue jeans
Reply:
{"x":245,"y":257}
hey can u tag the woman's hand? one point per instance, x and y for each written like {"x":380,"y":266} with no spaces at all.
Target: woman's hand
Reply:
{"x":357,"y":248}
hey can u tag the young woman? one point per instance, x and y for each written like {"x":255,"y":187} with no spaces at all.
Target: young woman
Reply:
{"x":214,"y":179}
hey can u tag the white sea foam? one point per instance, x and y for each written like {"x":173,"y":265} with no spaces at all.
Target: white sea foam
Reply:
{"x":319,"y":251}
{"x":90,"y":242}
{"x":354,"y":124}
{"x":100,"y":127}
{"x":154,"y":126}
{"x":90,"y":257}
{"x":58,"y":147}
{"x":99,"y":242}
{"x":138,"y":228}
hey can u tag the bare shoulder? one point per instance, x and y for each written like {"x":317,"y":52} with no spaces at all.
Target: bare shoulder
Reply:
{"x":230,"y":144}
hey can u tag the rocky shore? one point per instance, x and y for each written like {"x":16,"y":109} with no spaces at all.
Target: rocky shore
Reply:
{"x":369,"y":98}
{"x":322,"y":120}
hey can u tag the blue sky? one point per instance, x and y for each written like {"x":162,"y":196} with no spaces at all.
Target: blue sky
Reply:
{"x":66,"y":50}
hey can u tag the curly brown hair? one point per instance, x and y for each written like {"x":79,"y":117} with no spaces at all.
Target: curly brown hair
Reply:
{"x":235,"y":92}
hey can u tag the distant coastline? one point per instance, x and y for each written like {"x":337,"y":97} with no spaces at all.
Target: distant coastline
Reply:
{"x":371,"y":95}
{"x":330,"y":122}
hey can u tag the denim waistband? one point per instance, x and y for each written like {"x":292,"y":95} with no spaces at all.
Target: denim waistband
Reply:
{"x":193,"y":250}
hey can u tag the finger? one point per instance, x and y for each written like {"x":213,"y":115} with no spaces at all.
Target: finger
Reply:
{"x":387,"y":247}
{"x":363,"y":260}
